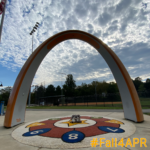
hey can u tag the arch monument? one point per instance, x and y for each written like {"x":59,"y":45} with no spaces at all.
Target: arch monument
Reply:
{"x":16,"y":107}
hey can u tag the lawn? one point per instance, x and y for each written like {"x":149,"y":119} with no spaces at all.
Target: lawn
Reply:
{"x":72,"y":107}
{"x":147,"y":114}
{"x":145,"y":102}
{"x":144,"y":99}
{"x":76,"y":107}
{"x":80,"y":107}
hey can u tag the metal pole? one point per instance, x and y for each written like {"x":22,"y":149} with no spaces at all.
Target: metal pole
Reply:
{"x":31,"y":33}
{"x":61,"y":89}
{"x":95,"y":92}
{"x":44,"y":87}
{"x":2,"y":20}
{"x":35,"y":95}
{"x":29,"y":97}
{"x":61,"y":85}
{"x":32,"y":43}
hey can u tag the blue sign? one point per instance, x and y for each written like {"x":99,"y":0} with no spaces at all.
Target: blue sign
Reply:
{"x":2,"y":108}
{"x":111,"y":129}
{"x":36,"y":132}
{"x":73,"y":137}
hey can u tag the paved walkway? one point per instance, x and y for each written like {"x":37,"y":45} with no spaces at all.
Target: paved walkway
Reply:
{"x":8,"y":143}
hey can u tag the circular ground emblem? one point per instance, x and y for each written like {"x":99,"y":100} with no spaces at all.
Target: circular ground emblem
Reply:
{"x":62,"y":133}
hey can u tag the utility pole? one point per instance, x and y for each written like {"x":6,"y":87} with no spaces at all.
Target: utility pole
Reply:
{"x":30,"y":96}
{"x":36,"y":88}
{"x":95,"y":90}
{"x":33,"y":30}
{"x":61,"y":84}
{"x":31,"y":33}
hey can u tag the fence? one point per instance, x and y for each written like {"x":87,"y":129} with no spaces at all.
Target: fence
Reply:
{"x":105,"y":100}
{"x":144,"y":98}
{"x":94,"y":100}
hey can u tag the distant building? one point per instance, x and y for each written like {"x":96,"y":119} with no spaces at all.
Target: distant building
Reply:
{"x":51,"y":100}
{"x":104,"y":94}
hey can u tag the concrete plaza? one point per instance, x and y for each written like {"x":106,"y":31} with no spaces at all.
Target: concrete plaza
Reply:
{"x":8,"y":143}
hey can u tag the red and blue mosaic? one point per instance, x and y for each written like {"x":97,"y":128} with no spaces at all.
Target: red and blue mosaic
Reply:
{"x":69,"y":132}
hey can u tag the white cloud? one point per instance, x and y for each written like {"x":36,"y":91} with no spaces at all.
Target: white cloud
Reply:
{"x":120,"y":24}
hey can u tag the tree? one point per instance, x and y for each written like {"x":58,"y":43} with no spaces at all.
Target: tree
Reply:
{"x":91,"y":87}
{"x":147,"y":84}
{"x":113,"y":88}
{"x":66,"y":90}
{"x":41,"y":91}
{"x":50,"y":90}
{"x":32,"y":98}
{"x":58,"y":90}
{"x":70,"y":82}
{"x":84,"y":89}
{"x":138,"y":79}
{"x":137,"y":82}
{"x":102,"y":87}
{"x":147,"y":80}
{"x":4,"y":97}
{"x":69,"y":86}
{"x":141,"y":87}
{"x":78,"y":91}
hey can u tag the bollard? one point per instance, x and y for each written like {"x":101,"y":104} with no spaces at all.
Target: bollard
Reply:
{"x":2,"y":108}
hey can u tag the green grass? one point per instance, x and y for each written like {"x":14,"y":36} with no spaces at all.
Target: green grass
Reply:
{"x":144,"y":99}
{"x":72,"y":107}
{"x":76,"y":107}
{"x":145,"y":102}
{"x":79,"y":107}
{"x":147,"y":114}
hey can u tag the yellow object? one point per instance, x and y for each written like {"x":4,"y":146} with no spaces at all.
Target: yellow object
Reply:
{"x":35,"y":124}
{"x":114,"y":121}
{"x":71,"y":124}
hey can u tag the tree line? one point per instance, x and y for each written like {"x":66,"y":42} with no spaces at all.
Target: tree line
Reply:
{"x":70,"y":89}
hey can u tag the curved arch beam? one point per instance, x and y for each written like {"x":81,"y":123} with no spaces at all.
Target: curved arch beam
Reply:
{"x":16,"y":106}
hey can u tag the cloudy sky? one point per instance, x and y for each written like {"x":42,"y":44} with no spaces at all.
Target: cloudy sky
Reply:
{"x":124,"y":25}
